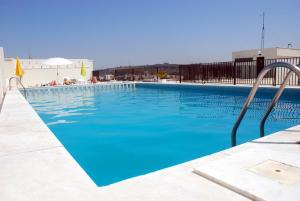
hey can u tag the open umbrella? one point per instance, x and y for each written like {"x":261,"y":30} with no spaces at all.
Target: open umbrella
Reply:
{"x":19,"y":70}
{"x":56,"y":61}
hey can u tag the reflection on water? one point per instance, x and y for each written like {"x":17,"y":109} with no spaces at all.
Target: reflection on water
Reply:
{"x":67,"y":102}
{"x":60,"y":122}
{"x":224,"y":104}
{"x":63,"y":104}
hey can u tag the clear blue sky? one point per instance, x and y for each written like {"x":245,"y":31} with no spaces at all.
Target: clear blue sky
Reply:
{"x":131,"y":32}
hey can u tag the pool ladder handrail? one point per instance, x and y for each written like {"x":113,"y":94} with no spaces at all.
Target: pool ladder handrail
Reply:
{"x":265,"y":70}
{"x":19,"y":81}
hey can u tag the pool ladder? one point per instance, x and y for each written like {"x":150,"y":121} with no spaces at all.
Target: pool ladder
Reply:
{"x":19,"y":81}
{"x":292,"y":68}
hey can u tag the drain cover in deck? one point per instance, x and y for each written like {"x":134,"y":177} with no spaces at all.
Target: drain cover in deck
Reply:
{"x":283,"y":173}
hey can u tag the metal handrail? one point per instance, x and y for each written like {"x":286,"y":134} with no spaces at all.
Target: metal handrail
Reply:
{"x":253,"y":91}
{"x":19,"y":81}
{"x":273,"y":103}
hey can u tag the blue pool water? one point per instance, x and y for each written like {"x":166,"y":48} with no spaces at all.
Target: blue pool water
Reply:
{"x":115,"y":134}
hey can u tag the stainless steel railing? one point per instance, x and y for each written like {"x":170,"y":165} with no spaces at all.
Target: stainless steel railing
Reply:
{"x":19,"y":81}
{"x":253,"y":91}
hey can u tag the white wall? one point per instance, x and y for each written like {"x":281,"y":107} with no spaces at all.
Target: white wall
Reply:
{"x":35,"y":73}
{"x":268,"y":53}
{"x":272,"y":53}
{"x":2,"y":79}
{"x":285,"y":52}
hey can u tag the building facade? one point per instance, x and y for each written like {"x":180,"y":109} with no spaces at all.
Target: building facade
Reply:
{"x":2,"y":78}
{"x":267,"y":53}
{"x":37,"y":74}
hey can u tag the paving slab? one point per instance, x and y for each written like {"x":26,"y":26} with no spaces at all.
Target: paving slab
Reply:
{"x":265,"y":169}
{"x":177,"y":183}
{"x":49,"y":174}
{"x":21,"y":129}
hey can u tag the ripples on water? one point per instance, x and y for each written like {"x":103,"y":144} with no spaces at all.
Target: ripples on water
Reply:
{"x":120,"y":133}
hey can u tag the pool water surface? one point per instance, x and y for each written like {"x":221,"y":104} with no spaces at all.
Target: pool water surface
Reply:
{"x":116,"y":134}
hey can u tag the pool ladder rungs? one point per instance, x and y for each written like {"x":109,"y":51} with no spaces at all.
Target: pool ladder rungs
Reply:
{"x":292,"y":68}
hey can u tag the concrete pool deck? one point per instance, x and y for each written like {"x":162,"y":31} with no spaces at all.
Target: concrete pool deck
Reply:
{"x":36,"y":166}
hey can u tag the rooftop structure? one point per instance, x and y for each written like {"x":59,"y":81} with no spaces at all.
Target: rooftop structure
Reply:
{"x":268,"y":53}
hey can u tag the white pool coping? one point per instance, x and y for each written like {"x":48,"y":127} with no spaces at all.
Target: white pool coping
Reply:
{"x":35,"y":166}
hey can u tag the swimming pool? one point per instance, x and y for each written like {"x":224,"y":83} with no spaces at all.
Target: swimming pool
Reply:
{"x":116,"y":133}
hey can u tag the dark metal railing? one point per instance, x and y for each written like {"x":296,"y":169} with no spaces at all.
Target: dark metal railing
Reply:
{"x":240,"y":71}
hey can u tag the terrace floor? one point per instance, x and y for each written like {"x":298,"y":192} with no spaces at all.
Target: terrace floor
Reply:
{"x":36,"y":166}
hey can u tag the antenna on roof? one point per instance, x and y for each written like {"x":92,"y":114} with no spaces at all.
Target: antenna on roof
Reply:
{"x":29,"y":56}
{"x":262,"y":42}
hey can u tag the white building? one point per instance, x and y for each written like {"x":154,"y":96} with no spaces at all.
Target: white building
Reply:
{"x":268,"y":53}
{"x":2,"y":78}
{"x":36,"y":74}
{"x":273,"y":54}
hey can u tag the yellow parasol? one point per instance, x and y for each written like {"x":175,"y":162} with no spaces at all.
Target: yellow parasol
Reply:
{"x":83,"y":70}
{"x":19,"y":71}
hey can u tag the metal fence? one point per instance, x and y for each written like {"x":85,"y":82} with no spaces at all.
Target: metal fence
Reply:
{"x":231,"y":72}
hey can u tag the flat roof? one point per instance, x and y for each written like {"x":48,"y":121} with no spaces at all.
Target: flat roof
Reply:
{"x":267,"y":49}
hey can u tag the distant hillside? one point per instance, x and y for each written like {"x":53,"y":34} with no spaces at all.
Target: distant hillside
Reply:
{"x":167,"y":66}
